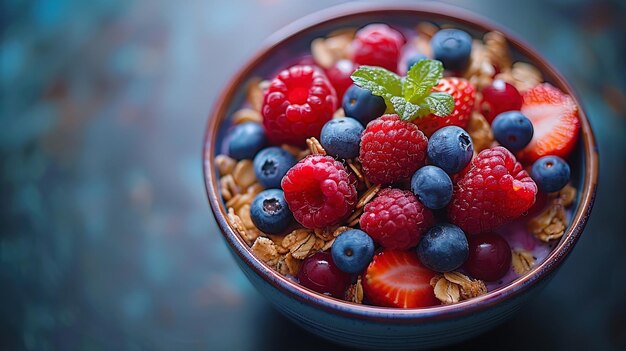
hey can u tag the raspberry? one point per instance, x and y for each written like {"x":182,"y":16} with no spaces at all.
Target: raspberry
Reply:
{"x":392,"y":149}
{"x":463,"y":93}
{"x":319,"y":191}
{"x":378,"y":45}
{"x":297,"y":104}
{"x":395,"y":219}
{"x":491,"y":191}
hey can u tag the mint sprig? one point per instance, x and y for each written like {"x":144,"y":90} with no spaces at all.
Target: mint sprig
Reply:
{"x":410,"y":97}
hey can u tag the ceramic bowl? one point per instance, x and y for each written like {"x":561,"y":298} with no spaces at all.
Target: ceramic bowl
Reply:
{"x":377,"y":327}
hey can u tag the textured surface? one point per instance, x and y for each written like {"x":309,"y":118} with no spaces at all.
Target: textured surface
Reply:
{"x":106,"y":238}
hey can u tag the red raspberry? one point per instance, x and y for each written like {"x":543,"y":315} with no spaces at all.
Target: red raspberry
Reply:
{"x":378,"y":45}
{"x":491,"y":191}
{"x":319,"y":191}
{"x":392,"y":149}
{"x":395,"y":219}
{"x":463,"y":93}
{"x":339,"y":76}
{"x":297,"y":104}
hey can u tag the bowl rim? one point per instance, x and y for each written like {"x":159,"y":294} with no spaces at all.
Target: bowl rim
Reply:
{"x":374,"y":313}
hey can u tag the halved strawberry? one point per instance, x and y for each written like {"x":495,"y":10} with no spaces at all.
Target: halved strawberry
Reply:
{"x":463,"y":93}
{"x":398,"y":279}
{"x":554,"y":116}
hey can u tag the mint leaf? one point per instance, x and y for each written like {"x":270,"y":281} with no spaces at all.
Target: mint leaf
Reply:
{"x":405,"y":109}
{"x":421,"y":79}
{"x":379,"y":81}
{"x":439,"y":104}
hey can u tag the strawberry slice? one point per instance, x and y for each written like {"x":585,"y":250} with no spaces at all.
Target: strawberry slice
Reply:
{"x":463,"y":93}
{"x":398,"y":279}
{"x":554,"y":116}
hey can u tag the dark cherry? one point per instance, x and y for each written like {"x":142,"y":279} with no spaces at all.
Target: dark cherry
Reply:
{"x":489,"y":257}
{"x":320,"y":274}
{"x":499,"y":97}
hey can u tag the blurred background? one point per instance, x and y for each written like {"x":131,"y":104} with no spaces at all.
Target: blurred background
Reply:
{"x":106,"y":239}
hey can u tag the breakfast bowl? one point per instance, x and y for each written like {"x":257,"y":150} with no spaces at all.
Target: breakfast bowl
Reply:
{"x":367,"y":326}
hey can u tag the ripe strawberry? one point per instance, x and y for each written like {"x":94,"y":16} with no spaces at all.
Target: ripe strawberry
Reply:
{"x":492,"y":190}
{"x":463,"y":93}
{"x":554,"y":116}
{"x":398,"y":279}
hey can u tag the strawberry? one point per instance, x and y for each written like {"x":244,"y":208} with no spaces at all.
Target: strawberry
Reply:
{"x":398,"y":279}
{"x":554,"y":116}
{"x":463,"y":93}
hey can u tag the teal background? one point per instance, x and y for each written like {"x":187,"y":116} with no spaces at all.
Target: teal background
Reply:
{"x":106,"y":239}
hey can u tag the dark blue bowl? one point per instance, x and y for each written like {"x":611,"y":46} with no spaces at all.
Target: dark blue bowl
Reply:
{"x":377,"y":327}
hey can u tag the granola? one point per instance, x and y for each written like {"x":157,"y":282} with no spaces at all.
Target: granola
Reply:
{"x":452,"y":287}
{"x":522,"y":261}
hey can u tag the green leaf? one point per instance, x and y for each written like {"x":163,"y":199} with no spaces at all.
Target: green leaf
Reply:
{"x":405,"y":109}
{"x":421,"y":79}
{"x":439,"y":104}
{"x":379,"y":81}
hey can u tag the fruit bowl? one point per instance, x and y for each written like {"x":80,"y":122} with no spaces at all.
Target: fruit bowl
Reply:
{"x":380,"y":327}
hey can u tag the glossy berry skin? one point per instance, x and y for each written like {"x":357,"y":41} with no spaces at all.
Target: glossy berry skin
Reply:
{"x":551,"y":173}
{"x":398,"y":279}
{"x":463,"y":93}
{"x":246,"y":140}
{"x":319,"y":191}
{"x":494,"y":189}
{"x":339,"y":76}
{"x":413,"y":60}
{"x":432,"y":186}
{"x":297,"y":104}
{"x":269,"y":212}
{"x":378,"y":45}
{"x":489,"y":257}
{"x":341,"y":137}
{"x":391,"y":149}
{"x":452,"y":47}
{"x":319,"y":273}
{"x":395,"y":219}
{"x":499,"y":97}
{"x":271,"y":164}
{"x":512,"y":130}
{"x":361,"y":105}
{"x":450,"y":149}
{"x":443,"y":248}
{"x":352,"y":251}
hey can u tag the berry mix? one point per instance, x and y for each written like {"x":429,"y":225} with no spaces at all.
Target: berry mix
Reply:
{"x":401,"y":168}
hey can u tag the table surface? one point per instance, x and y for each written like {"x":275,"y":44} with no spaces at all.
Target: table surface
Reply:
{"x":106,"y":239}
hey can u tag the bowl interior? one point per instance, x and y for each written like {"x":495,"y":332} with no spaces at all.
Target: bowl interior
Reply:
{"x":293,"y":42}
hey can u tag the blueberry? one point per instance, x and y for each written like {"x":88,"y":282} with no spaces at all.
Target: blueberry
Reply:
{"x":512,"y":129}
{"x":432,"y":186}
{"x":360,"y":104}
{"x":341,"y":137}
{"x":246,"y":140}
{"x":452,"y":47}
{"x":551,"y":173}
{"x":352,"y":251}
{"x":271,"y":165}
{"x":269,"y":212}
{"x":413,"y":60}
{"x":450,"y":148}
{"x":443,"y":248}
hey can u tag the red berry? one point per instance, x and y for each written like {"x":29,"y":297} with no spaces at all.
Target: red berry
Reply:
{"x":398,"y":279}
{"x":463,"y":93}
{"x":554,"y":116}
{"x":499,"y":97}
{"x":297,"y":104}
{"x":319,"y":191}
{"x":392,"y":149}
{"x":378,"y":45}
{"x":489,"y":257}
{"x":319,"y":273}
{"x":492,"y":190}
{"x":395,"y":219}
{"x":339,"y":76}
